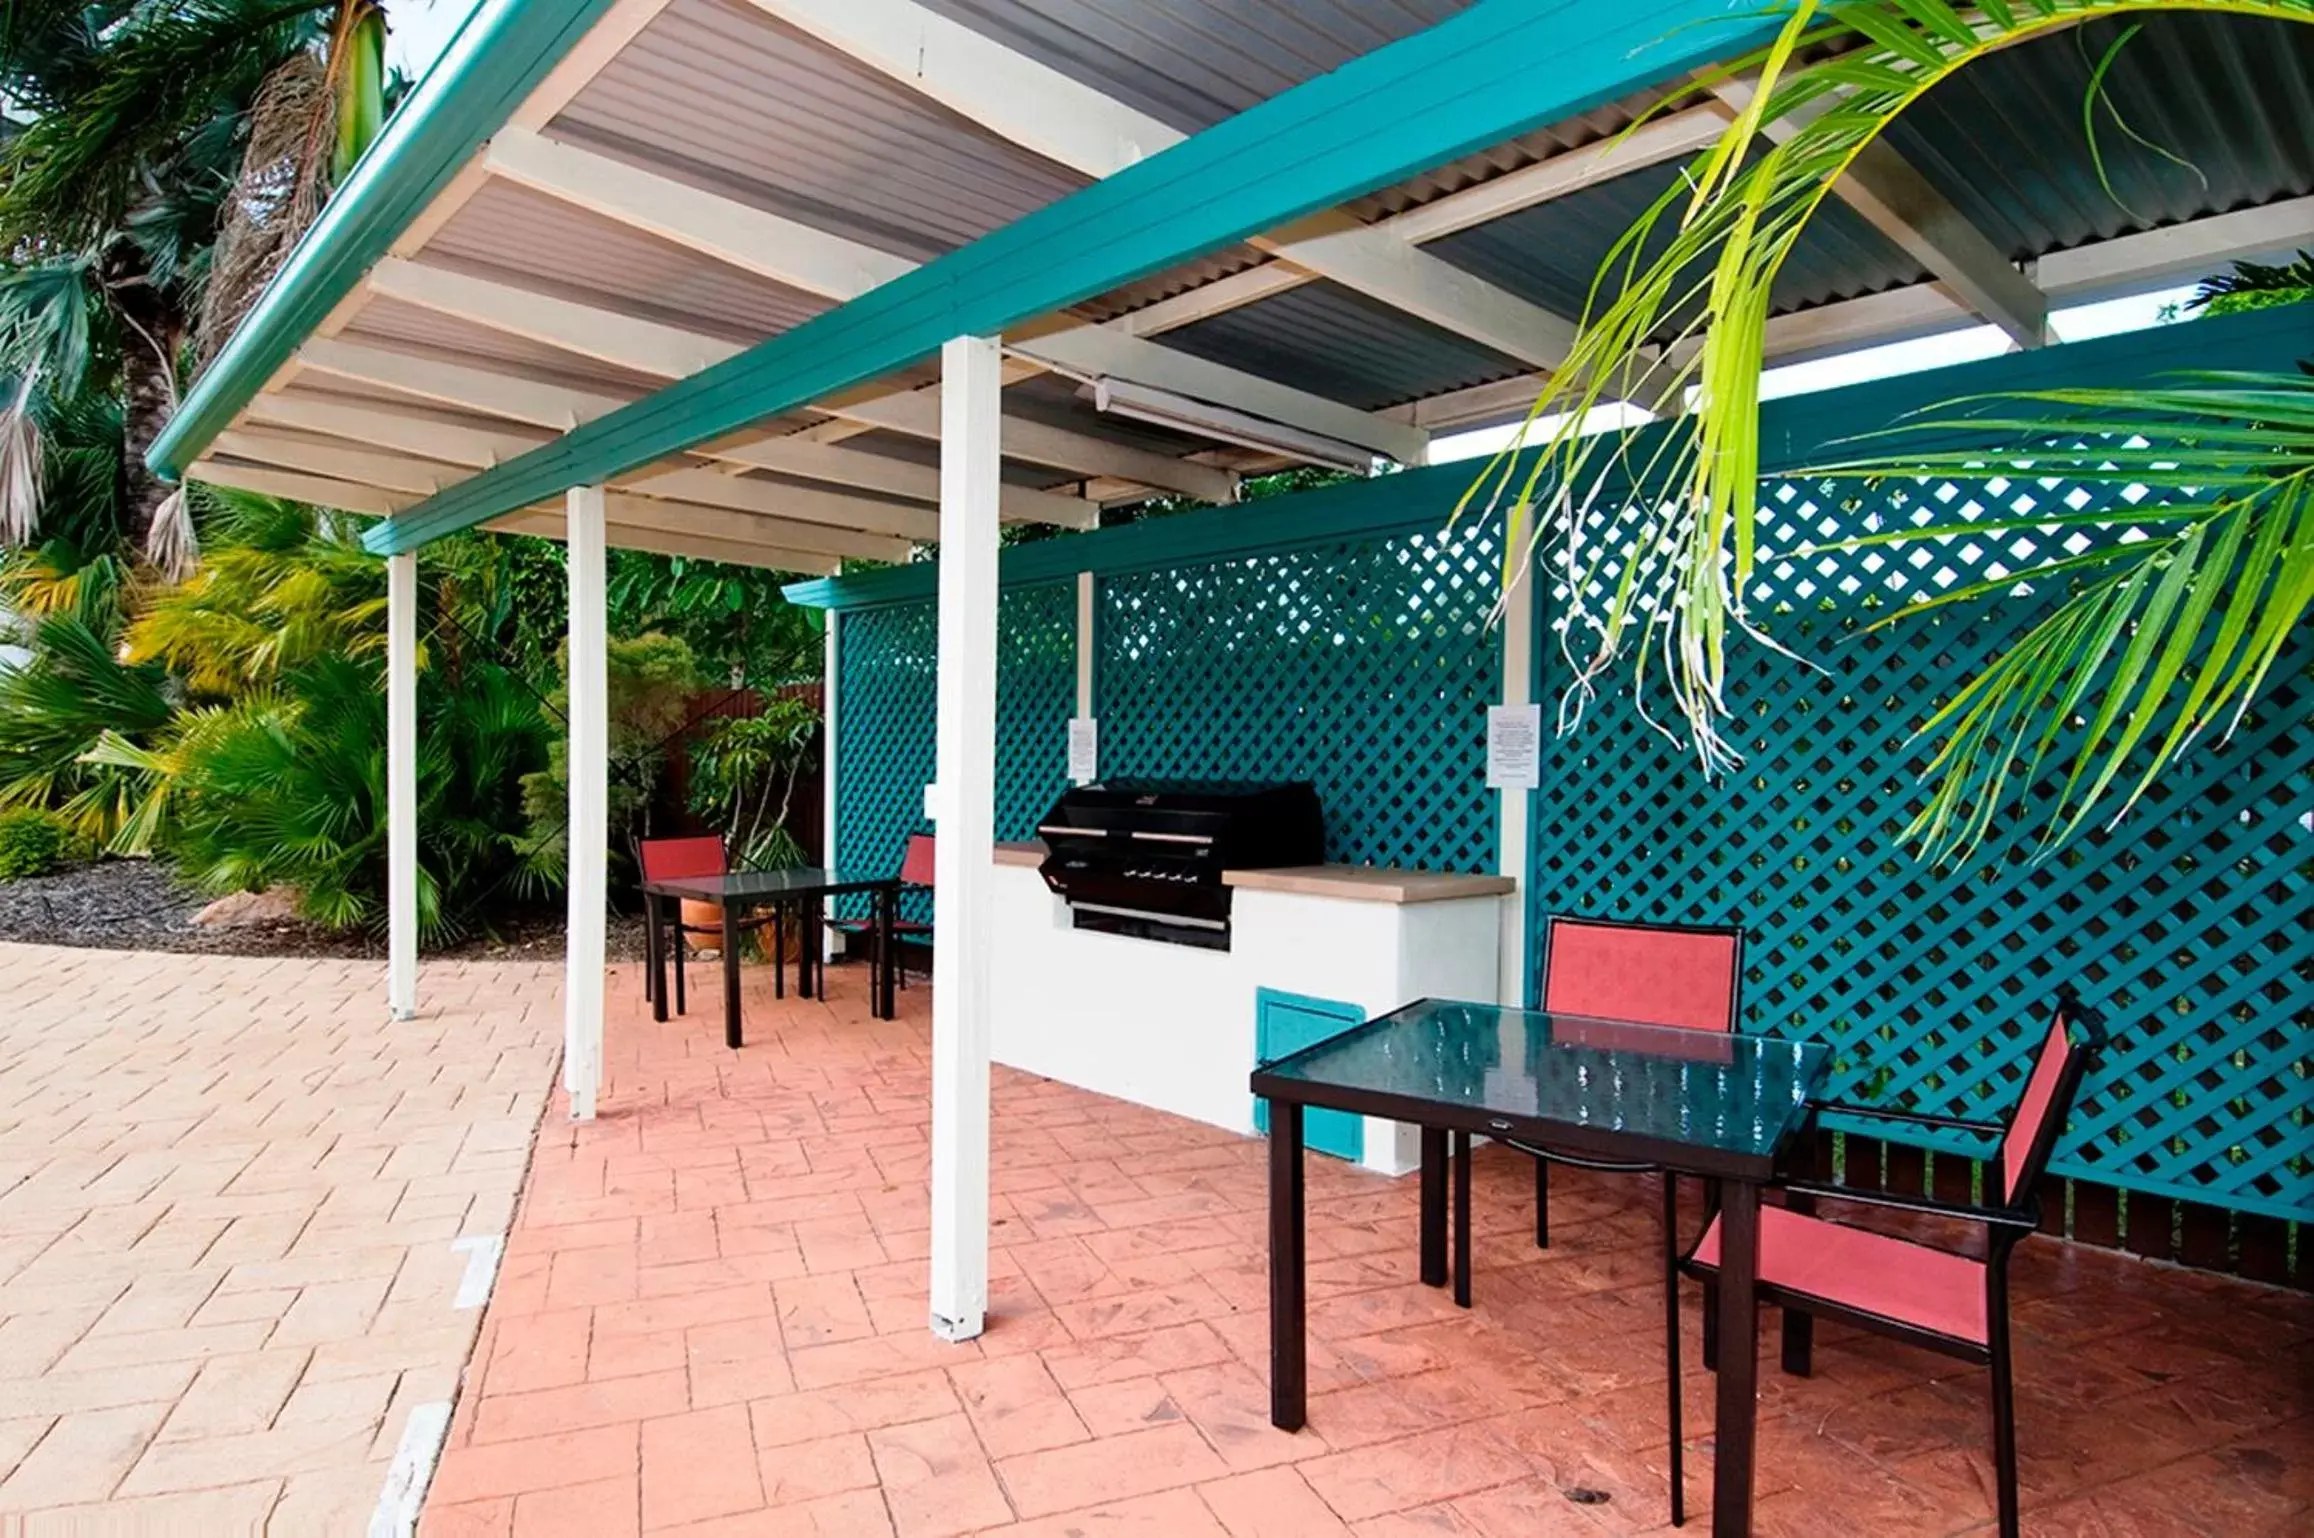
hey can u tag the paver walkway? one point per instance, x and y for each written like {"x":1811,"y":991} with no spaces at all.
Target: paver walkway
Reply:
{"x":712,"y":1323}
{"x":228,"y":1195}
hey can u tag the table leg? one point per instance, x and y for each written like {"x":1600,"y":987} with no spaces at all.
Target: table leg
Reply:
{"x":1288,"y":1342}
{"x":731,"y":975}
{"x":779,"y":951}
{"x":1736,"y":1420}
{"x":655,"y":936}
{"x":887,"y":952}
{"x":810,"y":981}
{"x":1434,"y":1206}
{"x":1462,"y":1220}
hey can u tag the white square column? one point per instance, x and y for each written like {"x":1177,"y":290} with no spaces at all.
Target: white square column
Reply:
{"x":402,"y":785}
{"x":589,"y":825}
{"x":1516,"y":806}
{"x":963,"y":934}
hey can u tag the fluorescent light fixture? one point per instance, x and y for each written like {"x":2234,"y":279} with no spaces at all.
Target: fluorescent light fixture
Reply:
{"x":1163,"y":408}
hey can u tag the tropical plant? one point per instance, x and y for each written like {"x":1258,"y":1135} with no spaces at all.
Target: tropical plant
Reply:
{"x":1680,"y":308}
{"x":288,"y":788}
{"x":2256,"y":286}
{"x":58,"y":706}
{"x":129,"y":121}
{"x":743,"y":776}
{"x":652,"y":680}
{"x":734,"y":618}
{"x":32,"y":842}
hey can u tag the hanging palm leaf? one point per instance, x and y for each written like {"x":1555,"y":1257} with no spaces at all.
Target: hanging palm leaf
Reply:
{"x":1679,"y":312}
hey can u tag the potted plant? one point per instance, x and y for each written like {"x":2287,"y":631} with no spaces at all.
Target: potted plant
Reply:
{"x":743,"y":777}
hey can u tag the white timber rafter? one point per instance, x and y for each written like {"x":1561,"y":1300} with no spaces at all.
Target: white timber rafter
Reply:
{"x":1892,"y":196}
{"x":828,"y":266}
{"x":661,"y":538}
{"x":2124,"y":265}
{"x":1039,"y":108}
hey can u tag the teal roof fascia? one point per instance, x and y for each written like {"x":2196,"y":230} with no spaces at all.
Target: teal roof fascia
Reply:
{"x":1795,"y":431}
{"x":1470,"y":82}
{"x":497,"y":57}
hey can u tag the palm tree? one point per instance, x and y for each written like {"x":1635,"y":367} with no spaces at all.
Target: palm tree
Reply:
{"x":2165,"y":640}
{"x":123,"y":159}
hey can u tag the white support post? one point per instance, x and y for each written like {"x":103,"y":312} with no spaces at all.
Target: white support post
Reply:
{"x":831,"y":701}
{"x":402,"y":785}
{"x":1518,"y":662}
{"x":589,"y":825}
{"x":1088,"y":599}
{"x":965,"y":804}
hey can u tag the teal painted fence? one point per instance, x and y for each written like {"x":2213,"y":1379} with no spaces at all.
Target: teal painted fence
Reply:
{"x":2187,"y":924}
{"x":1365,"y":666}
{"x":1342,"y":634}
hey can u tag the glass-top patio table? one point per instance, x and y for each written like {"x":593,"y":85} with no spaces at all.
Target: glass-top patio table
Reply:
{"x":805,"y":889}
{"x":1700,"y":1103}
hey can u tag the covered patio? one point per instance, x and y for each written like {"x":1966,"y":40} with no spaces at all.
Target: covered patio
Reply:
{"x":803,"y":283}
{"x":710,"y":1322}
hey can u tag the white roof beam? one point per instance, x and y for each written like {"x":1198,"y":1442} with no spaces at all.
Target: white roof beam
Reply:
{"x":734,"y":233}
{"x":896,"y":525}
{"x":323,"y":456}
{"x":667,"y":539}
{"x":321,"y":490}
{"x":476,"y":448}
{"x":1898,"y":201}
{"x":514,"y":397}
{"x":1039,"y":108}
{"x":812,"y":260}
{"x":669,"y":352}
{"x":721,"y":518}
{"x":917,"y":414}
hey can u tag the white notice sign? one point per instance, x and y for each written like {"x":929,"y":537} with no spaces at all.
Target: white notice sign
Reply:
{"x":1514,"y":740}
{"x":1084,"y":750}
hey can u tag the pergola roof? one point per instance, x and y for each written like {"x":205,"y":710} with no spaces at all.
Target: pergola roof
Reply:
{"x":703,"y":249}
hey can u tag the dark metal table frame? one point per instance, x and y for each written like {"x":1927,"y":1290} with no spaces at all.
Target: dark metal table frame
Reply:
{"x":805,"y":892}
{"x":1741,"y":1178}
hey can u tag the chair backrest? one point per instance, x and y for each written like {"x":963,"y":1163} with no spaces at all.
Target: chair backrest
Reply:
{"x":1655,"y":974}
{"x":2048,"y":1099}
{"x":671,"y":859}
{"x":916,"y":861}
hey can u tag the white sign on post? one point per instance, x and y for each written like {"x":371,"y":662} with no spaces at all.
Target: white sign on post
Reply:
{"x":1084,"y":750}
{"x":1514,"y":747}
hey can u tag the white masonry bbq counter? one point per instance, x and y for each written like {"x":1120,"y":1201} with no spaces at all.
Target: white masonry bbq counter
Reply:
{"x":1175,"y":1027}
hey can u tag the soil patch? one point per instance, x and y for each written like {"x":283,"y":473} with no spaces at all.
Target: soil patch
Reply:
{"x":140,"y":905}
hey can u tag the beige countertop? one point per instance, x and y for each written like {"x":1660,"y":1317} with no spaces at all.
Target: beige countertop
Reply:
{"x":1356,"y":883}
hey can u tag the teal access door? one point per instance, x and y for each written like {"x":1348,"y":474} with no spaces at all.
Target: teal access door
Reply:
{"x":1285,"y":1023}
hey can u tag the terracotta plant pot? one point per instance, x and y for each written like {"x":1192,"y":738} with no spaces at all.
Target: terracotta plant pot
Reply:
{"x":707,"y":916}
{"x":702,"y":915}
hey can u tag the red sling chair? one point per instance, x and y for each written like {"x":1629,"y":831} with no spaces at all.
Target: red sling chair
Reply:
{"x":1950,"y":1303}
{"x":672,"y":859}
{"x":916,"y":870}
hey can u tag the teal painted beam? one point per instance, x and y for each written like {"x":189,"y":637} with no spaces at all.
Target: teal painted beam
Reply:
{"x":1492,"y":72}
{"x":499,"y":55}
{"x":1794,"y":431}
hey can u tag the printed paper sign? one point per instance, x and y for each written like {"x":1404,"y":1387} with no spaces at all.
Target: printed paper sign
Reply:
{"x":1084,"y":750}
{"x":1514,"y":747}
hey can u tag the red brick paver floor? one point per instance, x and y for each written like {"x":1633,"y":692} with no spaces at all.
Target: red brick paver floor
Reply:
{"x":230,"y":1192}
{"x":712,"y":1322}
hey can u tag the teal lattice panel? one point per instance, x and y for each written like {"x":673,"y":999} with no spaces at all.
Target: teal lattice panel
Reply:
{"x":1366,"y":668}
{"x":1036,"y":693}
{"x":2187,"y":923}
{"x":885,"y":720}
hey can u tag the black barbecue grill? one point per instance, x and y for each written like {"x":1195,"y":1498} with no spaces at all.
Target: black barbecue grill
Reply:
{"x":1144,"y":857}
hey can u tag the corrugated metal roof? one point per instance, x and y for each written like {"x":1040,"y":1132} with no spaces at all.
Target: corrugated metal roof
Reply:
{"x":1325,"y":338}
{"x":720,"y":95}
{"x":1191,"y":63}
{"x":1550,"y":253}
{"x":516,"y":235}
{"x":2231,"y":96}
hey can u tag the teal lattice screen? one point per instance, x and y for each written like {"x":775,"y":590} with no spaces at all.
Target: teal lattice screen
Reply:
{"x":2188,"y":924}
{"x":888,"y":661}
{"x":1365,"y":666}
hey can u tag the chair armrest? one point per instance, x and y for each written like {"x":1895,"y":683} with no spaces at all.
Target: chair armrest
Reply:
{"x":1998,"y":1217}
{"x":1911,"y":1118}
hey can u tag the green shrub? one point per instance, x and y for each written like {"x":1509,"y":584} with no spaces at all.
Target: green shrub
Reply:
{"x":32,"y":842}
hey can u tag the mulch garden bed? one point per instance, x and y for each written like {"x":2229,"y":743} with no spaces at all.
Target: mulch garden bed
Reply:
{"x":139,"y":905}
